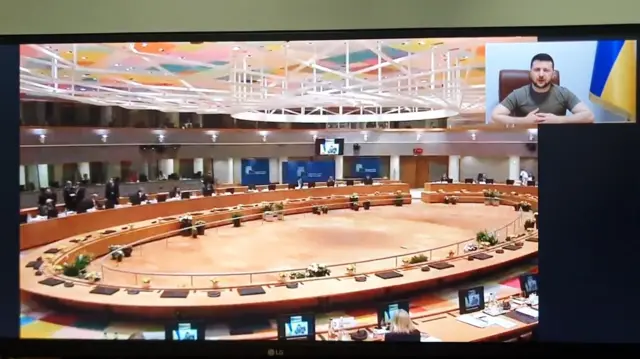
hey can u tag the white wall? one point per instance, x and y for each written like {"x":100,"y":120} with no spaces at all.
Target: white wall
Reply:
{"x":574,"y":60}
{"x":529,"y":164}
{"x":494,"y":167}
{"x":221,"y":170}
{"x":237,"y":170}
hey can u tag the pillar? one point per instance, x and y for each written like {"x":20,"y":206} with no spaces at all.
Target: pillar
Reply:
{"x":514,"y":168}
{"x":394,"y":168}
{"x":114,"y":170}
{"x":22,"y":176}
{"x":43,"y":175}
{"x":58,"y":174}
{"x":32,"y":175}
{"x":174,"y":118}
{"x":231,"y":170}
{"x":454,"y":168}
{"x":144,"y":168}
{"x":84,"y":168}
{"x":281,"y":162}
{"x":273,"y":170}
{"x":106,"y":115}
{"x":198,"y":165}
{"x":165,"y":166}
{"x":339,"y":162}
{"x":197,"y":120}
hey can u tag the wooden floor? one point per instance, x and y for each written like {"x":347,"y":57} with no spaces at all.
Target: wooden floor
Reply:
{"x":339,"y":237}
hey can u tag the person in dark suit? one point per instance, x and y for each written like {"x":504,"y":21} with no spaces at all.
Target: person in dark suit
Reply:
{"x":85,"y":179}
{"x":368,"y":180}
{"x":142,"y":196}
{"x":402,"y":329}
{"x":88,"y":203}
{"x":48,"y":209}
{"x":331,"y":182}
{"x":80,"y":194}
{"x":175,"y":192}
{"x":46,"y":194}
{"x":112,"y":193}
{"x":69,"y":196}
{"x":208,"y":185}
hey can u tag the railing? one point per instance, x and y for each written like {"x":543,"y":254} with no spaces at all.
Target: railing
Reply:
{"x":165,"y":280}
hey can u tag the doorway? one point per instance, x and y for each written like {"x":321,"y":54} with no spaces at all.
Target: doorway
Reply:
{"x":417,"y":170}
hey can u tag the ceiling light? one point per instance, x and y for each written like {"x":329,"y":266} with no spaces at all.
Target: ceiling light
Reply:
{"x":161,"y":138}
{"x":144,"y":44}
{"x":214,"y":137}
{"x":83,"y":57}
{"x":69,"y":52}
{"x":473,"y":136}
{"x":42,"y":138}
{"x":103,"y":138}
{"x":161,"y":49}
{"x":420,"y":42}
{"x":236,"y":48}
{"x":116,"y":65}
{"x":405,"y":43}
{"x":181,"y":57}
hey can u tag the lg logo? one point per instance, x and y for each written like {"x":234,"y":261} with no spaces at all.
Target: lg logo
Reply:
{"x":275,"y":352}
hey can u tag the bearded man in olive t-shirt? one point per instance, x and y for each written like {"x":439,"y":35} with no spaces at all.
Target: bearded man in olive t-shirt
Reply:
{"x":541,"y":101}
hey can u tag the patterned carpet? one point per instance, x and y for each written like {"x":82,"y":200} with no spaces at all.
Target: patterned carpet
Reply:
{"x":40,"y":323}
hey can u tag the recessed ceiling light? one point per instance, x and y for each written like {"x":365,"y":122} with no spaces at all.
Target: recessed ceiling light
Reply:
{"x":69,"y":52}
{"x":84,"y":57}
{"x":116,"y":65}
{"x":420,"y":42}
{"x":161,"y":49}
{"x":236,"y":48}
{"x":405,"y":43}
{"x":144,"y":44}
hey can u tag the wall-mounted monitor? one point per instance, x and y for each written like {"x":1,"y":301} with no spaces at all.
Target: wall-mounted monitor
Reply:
{"x":330,"y":146}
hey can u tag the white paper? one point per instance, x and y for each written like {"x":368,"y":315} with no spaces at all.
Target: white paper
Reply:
{"x":476,"y":322}
{"x":429,"y":340}
{"x":502,"y":322}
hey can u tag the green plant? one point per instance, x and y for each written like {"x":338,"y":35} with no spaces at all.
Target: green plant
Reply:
{"x":297,"y":275}
{"x":486,"y":238}
{"x":418,"y":258}
{"x":318,"y":270}
{"x":77,"y":267}
{"x":279,"y":206}
{"x":529,"y":224}
{"x":354,"y":198}
{"x":267,"y":207}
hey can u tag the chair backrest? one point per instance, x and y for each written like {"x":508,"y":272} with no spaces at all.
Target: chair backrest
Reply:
{"x":509,"y":80}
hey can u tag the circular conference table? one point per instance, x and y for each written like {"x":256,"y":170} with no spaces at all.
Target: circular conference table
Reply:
{"x":114,"y":228}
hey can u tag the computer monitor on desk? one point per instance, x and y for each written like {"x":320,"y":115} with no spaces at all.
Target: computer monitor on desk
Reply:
{"x":387,"y":311}
{"x":311,"y":185}
{"x":251,"y":187}
{"x":489,"y":181}
{"x":449,"y":180}
{"x":349,"y":182}
{"x":471,"y":300}
{"x":230,"y":190}
{"x":185,"y":331}
{"x":468,"y":180}
{"x":511,"y":182}
{"x":185,"y":195}
{"x":531,"y":183}
{"x":272,"y":187}
{"x":297,"y":327}
{"x":529,"y":284}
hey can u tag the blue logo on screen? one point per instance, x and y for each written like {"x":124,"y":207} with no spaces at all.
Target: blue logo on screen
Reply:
{"x":300,"y":171}
{"x":248,"y":170}
{"x":360,"y":169}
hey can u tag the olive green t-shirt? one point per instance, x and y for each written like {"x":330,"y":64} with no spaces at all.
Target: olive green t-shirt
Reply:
{"x":558,"y":100}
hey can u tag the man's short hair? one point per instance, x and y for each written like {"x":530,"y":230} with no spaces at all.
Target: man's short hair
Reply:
{"x":542,"y":57}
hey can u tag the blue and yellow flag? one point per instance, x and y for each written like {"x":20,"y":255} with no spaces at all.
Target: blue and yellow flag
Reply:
{"x":613,"y":83}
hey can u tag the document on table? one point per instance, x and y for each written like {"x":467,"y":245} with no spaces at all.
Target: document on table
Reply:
{"x":429,"y":339}
{"x":480,"y":321}
{"x":528,"y":311}
{"x":502,"y":322}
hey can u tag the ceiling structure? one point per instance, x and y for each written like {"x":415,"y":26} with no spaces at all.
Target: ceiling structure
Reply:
{"x":298,"y":81}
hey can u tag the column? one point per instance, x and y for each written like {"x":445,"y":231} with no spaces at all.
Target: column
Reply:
{"x":84,"y":168}
{"x":339,"y":161}
{"x":106,"y":115}
{"x":114,"y":170}
{"x":454,"y":168}
{"x":197,"y":120}
{"x":514,"y":167}
{"x":198,"y":165}
{"x":281,"y":162}
{"x":32,"y":175}
{"x":144,"y":168}
{"x":22,"y":176}
{"x":43,"y":175}
{"x":273,"y":170}
{"x":174,"y":118}
{"x":231,"y":171}
{"x":58,"y":174}
{"x":394,"y":168}
{"x":165,"y":166}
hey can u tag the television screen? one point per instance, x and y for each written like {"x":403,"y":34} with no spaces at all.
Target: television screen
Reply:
{"x":387,"y":311}
{"x":471,"y":300}
{"x":297,"y":327}
{"x":184,"y":331}
{"x":329,"y":147}
{"x":529,"y":283}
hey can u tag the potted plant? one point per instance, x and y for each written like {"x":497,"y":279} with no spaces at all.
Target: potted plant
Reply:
{"x":450,"y":199}
{"x":200,"y":227}
{"x":529,"y":224}
{"x":324,"y":209}
{"x":354,"y":198}
{"x":418,"y":258}
{"x":486,"y":193}
{"x":186,"y":222}
{"x":267,"y":207}
{"x":279,"y":208}
{"x":194,"y":232}
{"x":493,"y":197}
{"x":406,"y":261}
{"x":297,"y":275}
{"x":318,"y":270}
{"x":355,"y":206}
{"x":351,"y":269}
{"x":516,"y":207}
{"x":77,"y":267}
{"x":525,"y":206}
{"x":366,"y":205}
{"x":146,"y":283}
{"x":452,"y":254}
{"x":236,"y":219}
{"x":57,"y":269}
{"x":486,"y":239}
{"x":399,"y":199}
{"x":282,"y":277}
{"x":92,"y":277}
{"x":214,"y":282}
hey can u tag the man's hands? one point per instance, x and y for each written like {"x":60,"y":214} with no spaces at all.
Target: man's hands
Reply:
{"x":537,"y":117}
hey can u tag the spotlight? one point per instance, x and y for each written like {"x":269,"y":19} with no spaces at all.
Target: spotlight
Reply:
{"x":161,"y":138}
{"x":42,"y":138}
{"x":314,"y":134}
{"x":264,"y":135}
{"x":104,"y":138}
{"x":418,"y":136}
{"x":365,"y":136}
{"x":214,"y":137}
{"x":473,"y":136}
